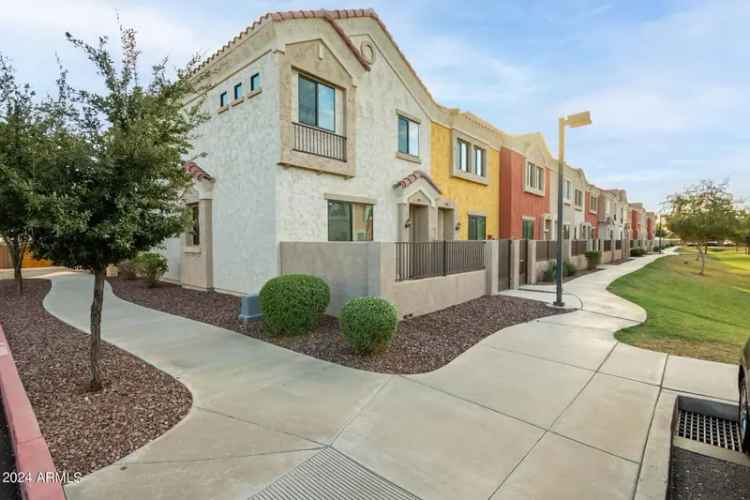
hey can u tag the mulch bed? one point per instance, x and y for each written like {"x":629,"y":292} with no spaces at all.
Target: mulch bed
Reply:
{"x":421,"y":344}
{"x":85,"y":431}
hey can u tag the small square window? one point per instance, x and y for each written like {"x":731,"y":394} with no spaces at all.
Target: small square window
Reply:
{"x":223,"y":99}
{"x":255,"y":82}
{"x":237,"y":91}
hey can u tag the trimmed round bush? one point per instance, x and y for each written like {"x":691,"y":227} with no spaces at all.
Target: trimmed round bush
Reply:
{"x":368,"y":324}
{"x":637,"y":252}
{"x":293,"y":304}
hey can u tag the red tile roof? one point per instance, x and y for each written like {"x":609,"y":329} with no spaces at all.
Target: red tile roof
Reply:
{"x":414,"y":177}
{"x":330,"y":16}
{"x":197,"y":172}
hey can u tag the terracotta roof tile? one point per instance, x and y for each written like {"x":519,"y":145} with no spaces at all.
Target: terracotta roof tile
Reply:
{"x":197,"y":172}
{"x":414,"y":177}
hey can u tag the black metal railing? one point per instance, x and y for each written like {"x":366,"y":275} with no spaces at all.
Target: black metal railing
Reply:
{"x":426,"y":259}
{"x":577,"y":247}
{"x":607,"y":245}
{"x":618,"y":244}
{"x":319,"y":142}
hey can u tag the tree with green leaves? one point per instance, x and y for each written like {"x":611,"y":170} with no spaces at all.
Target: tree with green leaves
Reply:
{"x":24,"y":143}
{"x":117,"y":189}
{"x":703,"y":213}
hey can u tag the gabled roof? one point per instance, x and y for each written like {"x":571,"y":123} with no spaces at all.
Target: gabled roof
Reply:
{"x":414,"y":177}
{"x":196,"y":171}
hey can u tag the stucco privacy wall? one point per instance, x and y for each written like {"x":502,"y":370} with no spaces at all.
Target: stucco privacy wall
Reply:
{"x":302,"y":205}
{"x":417,"y":297}
{"x":469,"y":198}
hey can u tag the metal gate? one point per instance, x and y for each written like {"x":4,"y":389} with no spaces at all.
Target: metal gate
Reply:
{"x":504,"y":264}
{"x":523,"y":247}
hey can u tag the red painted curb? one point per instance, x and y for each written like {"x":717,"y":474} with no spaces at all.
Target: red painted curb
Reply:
{"x":33,"y":460}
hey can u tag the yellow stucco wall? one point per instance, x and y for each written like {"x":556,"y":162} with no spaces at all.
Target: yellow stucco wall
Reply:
{"x":468,"y":197}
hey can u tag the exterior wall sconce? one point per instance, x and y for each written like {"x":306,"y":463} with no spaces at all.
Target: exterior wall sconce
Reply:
{"x":407,"y":224}
{"x":458,"y":226}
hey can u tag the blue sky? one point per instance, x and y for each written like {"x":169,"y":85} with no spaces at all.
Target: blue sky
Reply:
{"x":666,"y":81}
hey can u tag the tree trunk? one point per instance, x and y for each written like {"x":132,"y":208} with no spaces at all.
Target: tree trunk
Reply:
{"x":702,"y":257}
{"x":17,"y":248}
{"x":96,"y":328}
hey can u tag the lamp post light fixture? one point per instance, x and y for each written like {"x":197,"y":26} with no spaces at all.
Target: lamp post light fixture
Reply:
{"x":572,"y":121}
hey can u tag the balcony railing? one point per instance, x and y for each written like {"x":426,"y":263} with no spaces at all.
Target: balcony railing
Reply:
{"x":319,"y":142}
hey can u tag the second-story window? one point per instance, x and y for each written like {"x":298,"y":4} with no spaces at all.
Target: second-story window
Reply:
{"x":534,"y":177}
{"x":317,"y":104}
{"x":223,"y":99}
{"x":568,"y":191}
{"x":237,"y":91}
{"x":579,"y":198}
{"x":594,"y":202}
{"x":480,"y":165}
{"x":408,"y":136}
{"x":255,"y":82}
{"x":463,"y":156}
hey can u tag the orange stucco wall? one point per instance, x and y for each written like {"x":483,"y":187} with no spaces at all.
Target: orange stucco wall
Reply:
{"x":515,"y":203}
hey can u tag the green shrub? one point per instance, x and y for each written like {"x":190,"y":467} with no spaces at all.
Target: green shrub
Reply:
{"x":593,"y":259}
{"x":126,"y":270}
{"x":637,"y":252}
{"x":293,"y":304}
{"x":569,"y":269}
{"x":151,"y":267}
{"x":368,"y":323}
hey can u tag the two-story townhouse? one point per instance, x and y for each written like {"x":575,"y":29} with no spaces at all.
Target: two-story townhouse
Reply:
{"x":593,"y":196}
{"x":638,"y":222}
{"x":319,"y":130}
{"x":650,"y":226}
{"x":574,"y":218}
{"x":613,"y":215}
{"x":465,"y":152}
{"x":528,"y":177}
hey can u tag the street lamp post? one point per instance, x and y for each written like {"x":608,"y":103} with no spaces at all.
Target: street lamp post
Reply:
{"x":572,"y":121}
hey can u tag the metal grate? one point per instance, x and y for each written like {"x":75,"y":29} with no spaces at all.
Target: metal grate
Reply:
{"x":329,"y":475}
{"x":709,"y":429}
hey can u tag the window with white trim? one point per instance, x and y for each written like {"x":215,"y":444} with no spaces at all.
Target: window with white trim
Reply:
{"x":579,"y":198}
{"x":534,"y":178}
{"x":593,"y":202}
{"x":463,"y":156}
{"x":480,"y":161}
{"x":568,"y":191}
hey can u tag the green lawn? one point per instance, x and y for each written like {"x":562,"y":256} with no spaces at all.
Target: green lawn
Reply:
{"x":705,"y":317}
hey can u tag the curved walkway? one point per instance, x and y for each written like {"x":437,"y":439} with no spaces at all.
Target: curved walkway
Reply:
{"x":554,"y":408}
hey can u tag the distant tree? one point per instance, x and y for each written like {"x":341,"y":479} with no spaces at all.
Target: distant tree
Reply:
{"x":702,"y":213}
{"x":742,"y":234}
{"x":117,"y":189}
{"x":26,"y":128}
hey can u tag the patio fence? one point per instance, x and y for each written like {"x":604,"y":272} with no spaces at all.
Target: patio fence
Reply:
{"x":607,"y":245}
{"x":545,"y":250}
{"x":427,"y":259}
{"x":577,"y":247}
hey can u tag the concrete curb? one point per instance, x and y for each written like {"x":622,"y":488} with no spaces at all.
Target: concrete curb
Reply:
{"x":33,"y":460}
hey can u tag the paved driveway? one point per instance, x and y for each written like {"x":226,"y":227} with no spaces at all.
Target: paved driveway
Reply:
{"x":555,"y":408}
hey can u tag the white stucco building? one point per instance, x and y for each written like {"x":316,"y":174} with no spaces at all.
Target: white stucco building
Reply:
{"x":319,"y":130}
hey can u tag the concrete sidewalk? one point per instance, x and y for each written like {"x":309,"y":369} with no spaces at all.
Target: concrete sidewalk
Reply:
{"x":555,"y":408}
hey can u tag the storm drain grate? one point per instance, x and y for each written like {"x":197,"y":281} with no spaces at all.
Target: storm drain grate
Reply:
{"x":709,"y":429}
{"x":329,"y":475}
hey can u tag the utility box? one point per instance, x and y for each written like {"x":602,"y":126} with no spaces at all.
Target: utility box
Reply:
{"x":250,"y":308}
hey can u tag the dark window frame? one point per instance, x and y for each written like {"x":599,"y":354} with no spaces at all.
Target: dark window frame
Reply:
{"x":253,"y":81}
{"x":303,"y":78}
{"x":483,"y":164}
{"x":350,"y":209}
{"x":194,"y":236}
{"x":237,"y":91}
{"x":474,"y":227}
{"x":224,"y":99}
{"x":407,"y":121}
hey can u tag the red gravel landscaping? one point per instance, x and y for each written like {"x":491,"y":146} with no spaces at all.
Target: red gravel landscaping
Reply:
{"x":420,"y":345}
{"x":85,"y":431}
